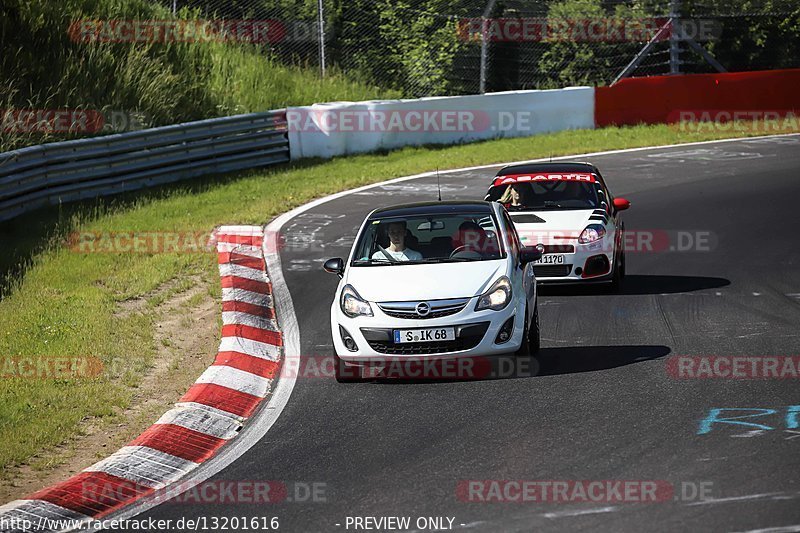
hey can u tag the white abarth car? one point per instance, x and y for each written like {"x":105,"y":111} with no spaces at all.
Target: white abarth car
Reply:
{"x":433,"y":280}
{"x":568,"y":212}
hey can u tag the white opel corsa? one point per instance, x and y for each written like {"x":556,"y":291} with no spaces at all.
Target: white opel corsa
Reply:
{"x":433,"y":280}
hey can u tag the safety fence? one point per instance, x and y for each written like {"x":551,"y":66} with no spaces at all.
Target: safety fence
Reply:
{"x":461,"y":47}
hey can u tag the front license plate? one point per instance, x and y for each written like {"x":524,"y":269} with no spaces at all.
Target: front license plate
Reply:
{"x":424,"y":335}
{"x":551,"y":259}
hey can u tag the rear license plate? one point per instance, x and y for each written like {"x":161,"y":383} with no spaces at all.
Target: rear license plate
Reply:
{"x":551,"y":259}
{"x":402,"y":336}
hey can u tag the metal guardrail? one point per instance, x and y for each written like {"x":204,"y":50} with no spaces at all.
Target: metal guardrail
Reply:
{"x":54,"y":173}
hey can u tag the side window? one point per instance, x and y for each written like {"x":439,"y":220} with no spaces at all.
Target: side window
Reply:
{"x":603,"y":194}
{"x":512,"y":235}
{"x":605,"y":202}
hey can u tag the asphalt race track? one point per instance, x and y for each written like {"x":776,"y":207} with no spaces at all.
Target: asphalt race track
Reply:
{"x":607,"y":409}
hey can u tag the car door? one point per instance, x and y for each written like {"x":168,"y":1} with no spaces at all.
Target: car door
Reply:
{"x":524,"y":275}
{"x":613,"y":226}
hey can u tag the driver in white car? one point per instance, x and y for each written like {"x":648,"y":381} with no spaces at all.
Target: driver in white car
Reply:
{"x":396,"y":251}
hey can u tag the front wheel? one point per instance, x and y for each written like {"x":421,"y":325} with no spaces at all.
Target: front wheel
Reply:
{"x":524,"y":348}
{"x":619,"y":273}
{"x":530,"y":335}
{"x":534,"y":339}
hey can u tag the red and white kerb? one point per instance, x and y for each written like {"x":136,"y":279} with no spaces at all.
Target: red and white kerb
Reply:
{"x":210,"y":414}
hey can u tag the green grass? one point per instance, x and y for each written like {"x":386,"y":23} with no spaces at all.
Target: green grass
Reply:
{"x":64,"y":303}
{"x":161,"y":83}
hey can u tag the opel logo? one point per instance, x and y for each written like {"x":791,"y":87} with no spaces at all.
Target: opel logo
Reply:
{"x":423,"y":308}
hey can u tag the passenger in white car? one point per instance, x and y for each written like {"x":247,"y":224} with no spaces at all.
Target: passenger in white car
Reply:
{"x":512,"y":197}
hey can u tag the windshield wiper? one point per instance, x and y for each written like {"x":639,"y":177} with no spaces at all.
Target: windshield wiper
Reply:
{"x":549,"y":203}
{"x":384,"y":262}
{"x":450,"y":260}
{"x":371,"y":262}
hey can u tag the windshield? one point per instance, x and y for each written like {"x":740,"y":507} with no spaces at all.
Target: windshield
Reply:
{"x":543,"y":195}
{"x":445,"y":238}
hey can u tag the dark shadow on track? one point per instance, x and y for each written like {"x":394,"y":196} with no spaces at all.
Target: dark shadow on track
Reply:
{"x":576,"y":359}
{"x":639,"y":284}
{"x":548,"y":361}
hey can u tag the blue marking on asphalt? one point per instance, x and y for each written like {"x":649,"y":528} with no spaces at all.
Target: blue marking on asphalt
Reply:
{"x":791,"y":417}
{"x":714,"y":418}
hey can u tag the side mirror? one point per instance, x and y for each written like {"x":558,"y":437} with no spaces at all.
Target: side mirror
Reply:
{"x":621,"y":204}
{"x":334,"y":266}
{"x":529,"y":254}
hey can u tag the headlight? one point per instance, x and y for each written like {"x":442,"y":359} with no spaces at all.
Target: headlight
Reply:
{"x":352,"y":304}
{"x":497,"y":297}
{"x":593,"y":232}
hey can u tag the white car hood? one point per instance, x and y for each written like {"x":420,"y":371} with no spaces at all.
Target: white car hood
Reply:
{"x":424,"y":282}
{"x":568,"y":222}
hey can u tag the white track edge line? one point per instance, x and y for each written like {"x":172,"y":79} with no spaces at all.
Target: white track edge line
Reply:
{"x":319,"y":201}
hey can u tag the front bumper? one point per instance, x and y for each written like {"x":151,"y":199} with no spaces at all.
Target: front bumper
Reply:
{"x":476,"y":332}
{"x":589,"y":263}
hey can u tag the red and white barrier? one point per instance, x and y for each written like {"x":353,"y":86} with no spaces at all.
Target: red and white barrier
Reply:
{"x":344,"y":128}
{"x":210,"y":414}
